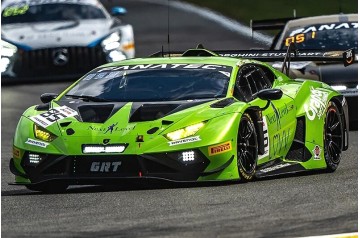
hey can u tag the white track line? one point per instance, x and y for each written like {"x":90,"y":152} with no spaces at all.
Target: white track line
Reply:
{"x":220,"y":19}
{"x":344,"y":235}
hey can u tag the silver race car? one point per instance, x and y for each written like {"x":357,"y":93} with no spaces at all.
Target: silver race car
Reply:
{"x":49,"y":39}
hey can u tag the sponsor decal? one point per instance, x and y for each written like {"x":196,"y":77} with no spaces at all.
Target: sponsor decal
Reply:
{"x":105,"y":167}
{"x":279,"y":114}
{"x":323,"y":27}
{"x":38,"y":2}
{"x":349,"y":57}
{"x":16,"y":153}
{"x":317,"y":152}
{"x":276,"y":167}
{"x":280,"y":142}
{"x":271,"y":54}
{"x":47,"y":118}
{"x":21,"y":7}
{"x":15,"y":9}
{"x":266,"y":139}
{"x":112,"y":128}
{"x":317,"y":104}
{"x":219,"y":149}
{"x":117,"y":71}
{"x":37,"y":143}
{"x":184,"y":141}
{"x":163,"y":66}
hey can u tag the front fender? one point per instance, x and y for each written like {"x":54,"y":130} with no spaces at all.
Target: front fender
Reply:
{"x":24,"y":138}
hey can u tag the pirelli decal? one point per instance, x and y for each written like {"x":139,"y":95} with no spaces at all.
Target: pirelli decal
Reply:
{"x":221,"y":148}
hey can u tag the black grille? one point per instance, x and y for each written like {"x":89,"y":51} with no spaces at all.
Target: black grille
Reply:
{"x":57,"y":168}
{"x":37,"y":63}
{"x":104,"y":166}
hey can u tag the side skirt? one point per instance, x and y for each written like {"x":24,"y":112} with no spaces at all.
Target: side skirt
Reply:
{"x":278,"y":167}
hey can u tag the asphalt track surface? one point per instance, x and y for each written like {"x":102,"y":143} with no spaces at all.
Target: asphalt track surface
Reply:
{"x":292,"y":206}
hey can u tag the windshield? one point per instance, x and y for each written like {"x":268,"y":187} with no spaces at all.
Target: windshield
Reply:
{"x":24,"y":13}
{"x":163,"y":82}
{"x":332,"y":36}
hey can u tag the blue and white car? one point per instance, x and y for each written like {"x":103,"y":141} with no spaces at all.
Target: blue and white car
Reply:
{"x":60,"y":38}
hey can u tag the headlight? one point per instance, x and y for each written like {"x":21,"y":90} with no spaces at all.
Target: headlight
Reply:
{"x":184,"y":132}
{"x":116,"y":55}
{"x":112,"y":47}
{"x":111,"y":42}
{"x":43,"y":134}
{"x":339,"y":87}
{"x":7,"y":52}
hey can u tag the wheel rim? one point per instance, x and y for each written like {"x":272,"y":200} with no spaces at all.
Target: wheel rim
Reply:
{"x":333,"y":136}
{"x":247,"y":146}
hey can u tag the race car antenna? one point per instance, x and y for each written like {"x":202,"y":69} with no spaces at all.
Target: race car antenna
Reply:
{"x":168,"y":26}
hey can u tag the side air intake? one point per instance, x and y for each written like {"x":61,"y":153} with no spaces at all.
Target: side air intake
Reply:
{"x":298,"y":151}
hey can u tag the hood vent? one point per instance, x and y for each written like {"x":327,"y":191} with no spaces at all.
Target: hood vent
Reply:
{"x":150,"y":112}
{"x":95,"y":113}
{"x":154,"y":111}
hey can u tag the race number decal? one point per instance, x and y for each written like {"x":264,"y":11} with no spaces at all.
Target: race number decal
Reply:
{"x":47,"y":118}
{"x":266,"y":139}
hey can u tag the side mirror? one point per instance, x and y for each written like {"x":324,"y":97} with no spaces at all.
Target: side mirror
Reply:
{"x":118,"y":11}
{"x":48,"y":97}
{"x":269,"y":95}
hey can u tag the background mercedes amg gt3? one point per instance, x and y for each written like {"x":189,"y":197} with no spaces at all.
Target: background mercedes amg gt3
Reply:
{"x":61,"y":39}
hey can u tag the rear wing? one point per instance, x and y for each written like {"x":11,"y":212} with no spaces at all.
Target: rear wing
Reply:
{"x":347,"y":57}
{"x":291,"y":54}
{"x":296,"y":55}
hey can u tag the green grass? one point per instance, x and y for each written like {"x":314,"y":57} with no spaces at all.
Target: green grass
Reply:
{"x":244,"y":10}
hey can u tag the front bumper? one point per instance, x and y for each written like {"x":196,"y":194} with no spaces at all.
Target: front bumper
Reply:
{"x":102,"y":169}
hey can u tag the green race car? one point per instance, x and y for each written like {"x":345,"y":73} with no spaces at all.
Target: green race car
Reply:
{"x":196,"y":117}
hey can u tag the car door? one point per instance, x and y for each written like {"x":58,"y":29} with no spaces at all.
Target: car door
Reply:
{"x":278,"y":118}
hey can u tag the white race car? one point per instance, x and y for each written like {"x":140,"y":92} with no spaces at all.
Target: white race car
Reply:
{"x":60,"y":38}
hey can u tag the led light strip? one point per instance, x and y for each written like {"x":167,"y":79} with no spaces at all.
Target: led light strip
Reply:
{"x":95,"y":149}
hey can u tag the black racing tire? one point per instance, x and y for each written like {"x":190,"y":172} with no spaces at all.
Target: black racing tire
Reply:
{"x":48,"y":187}
{"x":247,"y":148}
{"x":333,"y":137}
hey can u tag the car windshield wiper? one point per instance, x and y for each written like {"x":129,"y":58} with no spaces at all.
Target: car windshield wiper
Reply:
{"x":87,"y":98}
